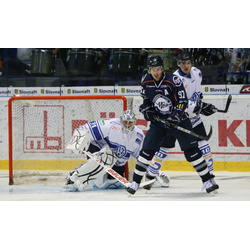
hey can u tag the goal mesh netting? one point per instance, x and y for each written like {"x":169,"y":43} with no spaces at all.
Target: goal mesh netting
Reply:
{"x":41,"y":127}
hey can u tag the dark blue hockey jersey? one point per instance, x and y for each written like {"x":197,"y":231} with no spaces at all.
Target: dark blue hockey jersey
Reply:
{"x":167,"y":97}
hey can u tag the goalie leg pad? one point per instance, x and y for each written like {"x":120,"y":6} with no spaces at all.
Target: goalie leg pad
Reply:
{"x":105,"y":183}
{"x":85,"y":176}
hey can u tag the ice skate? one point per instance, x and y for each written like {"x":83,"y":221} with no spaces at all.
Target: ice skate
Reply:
{"x":162,"y":180}
{"x":210,"y":186}
{"x":132,"y":188}
{"x":148,"y":178}
{"x":73,"y":183}
{"x":213,"y":181}
{"x":69,"y":187}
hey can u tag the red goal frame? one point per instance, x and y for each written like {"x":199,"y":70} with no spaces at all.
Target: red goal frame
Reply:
{"x":11,"y":181}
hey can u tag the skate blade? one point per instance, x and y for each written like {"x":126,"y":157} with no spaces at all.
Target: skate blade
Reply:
{"x":213,"y":193}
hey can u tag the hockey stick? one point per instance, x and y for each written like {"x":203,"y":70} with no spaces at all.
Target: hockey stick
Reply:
{"x":114,"y":174}
{"x":206,"y":138}
{"x":229,"y":99}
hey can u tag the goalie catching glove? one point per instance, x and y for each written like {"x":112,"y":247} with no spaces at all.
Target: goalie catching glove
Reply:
{"x":106,"y":156}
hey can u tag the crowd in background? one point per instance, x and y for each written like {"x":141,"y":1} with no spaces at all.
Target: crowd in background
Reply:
{"x":117,"y":66}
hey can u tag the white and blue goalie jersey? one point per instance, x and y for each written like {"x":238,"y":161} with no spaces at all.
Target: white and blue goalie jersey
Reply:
{"x":109,"y":132}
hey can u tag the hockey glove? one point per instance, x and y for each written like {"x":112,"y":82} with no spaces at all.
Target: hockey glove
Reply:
{"x":173,"y":119}
{"x":148,"y":112}
{"x":198,"y":107}
{"x":207,"y":109}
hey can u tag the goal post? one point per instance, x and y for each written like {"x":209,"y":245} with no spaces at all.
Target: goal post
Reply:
{"x":40,"y":128}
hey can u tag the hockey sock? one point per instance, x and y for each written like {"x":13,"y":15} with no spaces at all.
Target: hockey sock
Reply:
{"x":157,"y":161}
{"x":206,"y":153}
{"x":140,"y":169}
{"x":194,"y":156}
{"x":142,"y":164}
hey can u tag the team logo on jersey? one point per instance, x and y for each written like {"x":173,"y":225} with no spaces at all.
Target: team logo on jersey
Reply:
{"x":120,"y":151}
{"x":163,"y":104}
{"x":177,"y":81}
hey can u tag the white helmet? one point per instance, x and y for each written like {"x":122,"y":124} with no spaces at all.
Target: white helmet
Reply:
{"x":128,"y":121}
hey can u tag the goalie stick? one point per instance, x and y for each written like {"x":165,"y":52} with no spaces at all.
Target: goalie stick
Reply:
{"x":229,"y":99}
{"x":113,"y":173}
{"x":206,"y":138}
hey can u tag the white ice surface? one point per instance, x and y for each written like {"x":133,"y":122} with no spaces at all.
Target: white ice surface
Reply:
{"x":178,"y":217}
{"x":184,"y":186}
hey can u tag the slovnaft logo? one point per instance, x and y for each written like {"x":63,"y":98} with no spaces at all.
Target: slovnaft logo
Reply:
{"x":245,"y":90}
{"x":206,"y":89}
{"x":69,"y":91}
{"x":123,"y":90}
{"x":16,"y":91}
{"x":95,"y":90}
{"x":42,"y":91}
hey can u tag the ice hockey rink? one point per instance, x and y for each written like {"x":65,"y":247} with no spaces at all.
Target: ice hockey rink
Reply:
{"x":184,"y":186}
{"x":177,"y":217}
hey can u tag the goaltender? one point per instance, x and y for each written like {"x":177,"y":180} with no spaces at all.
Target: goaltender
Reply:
{"x":111,"y":142}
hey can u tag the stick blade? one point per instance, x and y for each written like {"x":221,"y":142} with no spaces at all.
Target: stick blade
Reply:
{"x":229,"y":99}
{"x":210,"y":133}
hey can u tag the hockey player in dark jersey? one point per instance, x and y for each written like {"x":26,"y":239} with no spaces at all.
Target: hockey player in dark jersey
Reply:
{"x":164,"y":97}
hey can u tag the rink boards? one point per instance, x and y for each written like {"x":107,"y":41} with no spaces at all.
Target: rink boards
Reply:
{"x":229,"y":143}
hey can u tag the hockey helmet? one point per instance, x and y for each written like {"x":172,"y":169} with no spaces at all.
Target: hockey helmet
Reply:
{"x":155,"y":61}
{"x":184,"y":56}
{"x":128,"y":121}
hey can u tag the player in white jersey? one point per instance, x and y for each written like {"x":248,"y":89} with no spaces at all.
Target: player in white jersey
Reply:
{"x":191,"y":78}
{"x":116,"y":138}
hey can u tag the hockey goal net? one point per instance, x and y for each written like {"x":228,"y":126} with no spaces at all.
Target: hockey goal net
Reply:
{"x":41,"y":127}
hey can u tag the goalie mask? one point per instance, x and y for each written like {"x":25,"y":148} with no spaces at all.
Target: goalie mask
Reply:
{"x":128,"y":121}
